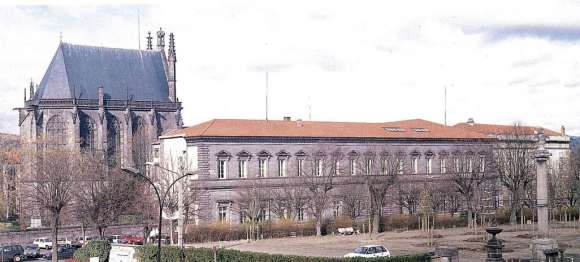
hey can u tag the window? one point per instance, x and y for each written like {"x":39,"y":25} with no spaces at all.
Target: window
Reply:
{"x":222,"y":169}
{"x":263,"y":167}
{"x":369,"y":166}
{"x":262,"y":216}
{"x":243,"y":168}
{"x":482,"y":163}
{"x":300,"y":214}
{"x":222,"y":213}
{"x":429,"y":166}
{"x":243,"y":217}
{"x":443,"y":166}
{"x":56,"y":131}
{"x":299,"y":166}
{"x":470,"y":165}
{"x":318,"y":167}
{"x":281,"y":167}
{"x":352,"y":167}
{"x":456,"y":164}
{"x":337,"y":167}
{"x":415,"y":164}
{"x":401,"y":166}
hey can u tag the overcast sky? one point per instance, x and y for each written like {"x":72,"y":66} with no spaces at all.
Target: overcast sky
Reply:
{"x":376,"y":61}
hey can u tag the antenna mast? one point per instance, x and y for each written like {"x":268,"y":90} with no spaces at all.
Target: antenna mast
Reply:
{"x":267,"y":93}
{"x":309,"y":110}
{"x":445,"y":105}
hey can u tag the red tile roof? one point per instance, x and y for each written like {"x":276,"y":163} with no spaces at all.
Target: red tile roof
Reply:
{"x":488,"y":129}
{"x":416,"y":129}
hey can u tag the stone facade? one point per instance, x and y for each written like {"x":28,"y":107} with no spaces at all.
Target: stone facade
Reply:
{"x":205,"y":153}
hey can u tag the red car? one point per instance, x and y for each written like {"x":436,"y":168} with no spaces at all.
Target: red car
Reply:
{"x":133,"y":240}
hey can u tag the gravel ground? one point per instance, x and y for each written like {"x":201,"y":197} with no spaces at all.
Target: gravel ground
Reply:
{"x":471,"y":246}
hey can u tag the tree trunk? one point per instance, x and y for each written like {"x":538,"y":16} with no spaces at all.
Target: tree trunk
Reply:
{"x":54,"y":227}
{"x":513,"y":211}
{"x":469,"y":218}
{"x":101,"y":232}
{"x":318,"y":227}
{"x":376,"y":222}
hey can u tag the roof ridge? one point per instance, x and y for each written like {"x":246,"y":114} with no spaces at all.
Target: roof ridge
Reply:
{"x":108,"y":47}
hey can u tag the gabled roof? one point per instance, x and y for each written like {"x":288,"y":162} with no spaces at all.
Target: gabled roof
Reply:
{"x":416,"y":128}
{"x":493,"y":130}
{"x":77,"y":70}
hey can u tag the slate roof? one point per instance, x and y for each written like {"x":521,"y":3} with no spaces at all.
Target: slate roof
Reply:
{"x":79,"y":70}
{"x":415,"y":129}
{"x":494,"y":130}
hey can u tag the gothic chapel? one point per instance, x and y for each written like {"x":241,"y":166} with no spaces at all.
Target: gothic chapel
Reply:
{"x":100,"y":98}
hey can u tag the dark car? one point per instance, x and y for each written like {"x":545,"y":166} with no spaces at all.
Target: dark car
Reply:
{"x":32,"y":251}
{"x":11,"y":253}
{"x":63,"y":252}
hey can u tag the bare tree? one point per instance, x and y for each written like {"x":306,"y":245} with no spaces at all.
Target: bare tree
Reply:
{"x":570,"y":177}
{"x":287,"y":199}
{"x":52,"y":185}
{"x":468,"y":173}
{"x":410,"y":195}
{"x":354,"y":197}
{"x":9,"y":160}
{"x":318,"y":176}
{"x":380,"y":174}
{"x":513,"y":160}
{"x":103,"y":193}
{"x":252,"y":202}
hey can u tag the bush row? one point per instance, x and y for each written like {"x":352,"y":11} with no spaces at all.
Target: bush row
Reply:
{"x":171,"y":254}
{"x":94,"y":248}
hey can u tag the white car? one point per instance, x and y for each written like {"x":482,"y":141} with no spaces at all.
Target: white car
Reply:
{"x":369,"y":251}
{"x":43,"y":242}
{"x":64,"y":241}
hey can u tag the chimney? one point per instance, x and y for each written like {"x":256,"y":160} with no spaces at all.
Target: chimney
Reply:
{"x":160,"y":39}
{"x":287,"y":118}
{"x":563,"y":131}
{"x":299,"y":123}
{"x":470,"y":121}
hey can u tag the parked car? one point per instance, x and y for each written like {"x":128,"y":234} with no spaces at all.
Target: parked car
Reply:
{"x":80,"y":241}
{"x":43,"y":242}
{"x":32,"y":251}
{"x":64,"y":241}
{"x":11,"y":253}
{"x":114,"y":239}
{"x":165,"y":240}
{"x":133,"y":240}
{"x":63,"y":252}
{"x":369,"y":251}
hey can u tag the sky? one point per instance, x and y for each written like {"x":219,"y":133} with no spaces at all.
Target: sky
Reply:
{"x":364,"y":61}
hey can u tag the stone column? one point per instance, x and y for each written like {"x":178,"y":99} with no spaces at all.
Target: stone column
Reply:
{"x":542,"y":155}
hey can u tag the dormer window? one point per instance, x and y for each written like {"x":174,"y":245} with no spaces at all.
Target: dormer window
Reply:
{"x":394,"y":129}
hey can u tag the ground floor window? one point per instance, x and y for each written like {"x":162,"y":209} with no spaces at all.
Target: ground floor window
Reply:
{"x":300,"y":214}
{"x":223,"y":213}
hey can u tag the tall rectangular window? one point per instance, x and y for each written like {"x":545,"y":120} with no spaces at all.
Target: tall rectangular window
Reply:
{"x":222,"y":213}
{"x":401,"y":166}
{"x":263,"y":167}
{"x":369,"y":166}
{"x":281,"y":167}
{"x":353,"y":167}
{"x":299,"y":166}
{"x":429,"y":166}
{"x":222,"y":169}
{"x":337,"y":167}
{"x":300,"y":214}
{"x":443,"y":166}
{"x":243,"y":168}
{"x":482,"y":163}
{"x":415,"y":164}
{"x":318,"y":167}
{"x":456,"y":164}
{"x":470,"y":165}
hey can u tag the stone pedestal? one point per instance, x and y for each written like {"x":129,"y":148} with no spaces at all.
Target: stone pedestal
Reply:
{"x":538,"y":246}
{"x":494,"y":246}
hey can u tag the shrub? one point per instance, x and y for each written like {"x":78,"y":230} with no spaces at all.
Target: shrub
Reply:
{"x":170,"y":254}
{"x":225,"y":232}
{"x":95,"y":248}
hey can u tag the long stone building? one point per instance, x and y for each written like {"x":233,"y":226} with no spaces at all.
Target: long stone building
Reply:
{"x":230,"y":154}
{"x":102,"y":99}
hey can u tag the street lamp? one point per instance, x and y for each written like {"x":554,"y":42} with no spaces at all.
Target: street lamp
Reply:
{"x":135,"y":172}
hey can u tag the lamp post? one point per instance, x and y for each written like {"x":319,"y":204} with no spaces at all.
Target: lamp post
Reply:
{"x":135,"y":172}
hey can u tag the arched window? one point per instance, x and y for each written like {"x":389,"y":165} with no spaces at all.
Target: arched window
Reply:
{"x":113,"y":141}
{"x":56,"y":131}
{"x":87,"y":133}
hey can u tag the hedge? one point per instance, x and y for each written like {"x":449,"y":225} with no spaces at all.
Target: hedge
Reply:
{"x":171,"y":254}
{"x":94,"y":248}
